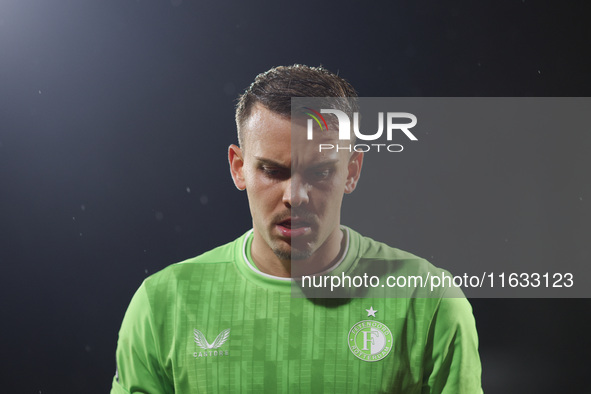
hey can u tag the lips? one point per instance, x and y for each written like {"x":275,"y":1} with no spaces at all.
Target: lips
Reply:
{"x":293,"y":227}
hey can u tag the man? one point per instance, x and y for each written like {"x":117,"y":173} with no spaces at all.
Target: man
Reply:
{"x":228,"y":320}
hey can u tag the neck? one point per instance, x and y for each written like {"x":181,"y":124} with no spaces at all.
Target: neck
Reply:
{"x":326,"y":256}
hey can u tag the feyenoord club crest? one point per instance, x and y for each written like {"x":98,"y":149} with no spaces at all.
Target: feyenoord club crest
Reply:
{"x":370,"y":340}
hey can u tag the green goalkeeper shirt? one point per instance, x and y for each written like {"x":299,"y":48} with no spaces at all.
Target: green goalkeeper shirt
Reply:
{"x":214,"y":323}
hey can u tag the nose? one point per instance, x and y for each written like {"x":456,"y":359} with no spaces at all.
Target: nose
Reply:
{"x":296,"y":193}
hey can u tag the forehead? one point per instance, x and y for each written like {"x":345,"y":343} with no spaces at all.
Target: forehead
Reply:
{"x":261,"y":122}
{"x":273,"y":136}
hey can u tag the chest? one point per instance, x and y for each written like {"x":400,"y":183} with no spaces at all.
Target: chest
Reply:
{"x":253,"y":341}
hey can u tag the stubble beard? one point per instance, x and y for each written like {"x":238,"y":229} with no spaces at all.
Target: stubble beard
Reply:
{"x":292,"y":254}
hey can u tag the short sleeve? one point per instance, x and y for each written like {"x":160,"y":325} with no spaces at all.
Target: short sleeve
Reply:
{"x":452,"y":363}
{"x":139,"y":366}
{"x":117,"y":388}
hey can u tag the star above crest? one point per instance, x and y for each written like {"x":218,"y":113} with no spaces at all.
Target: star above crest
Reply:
{"x":371,"y":312}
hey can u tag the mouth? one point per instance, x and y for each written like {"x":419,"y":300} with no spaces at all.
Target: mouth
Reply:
{"x":294,"y":227}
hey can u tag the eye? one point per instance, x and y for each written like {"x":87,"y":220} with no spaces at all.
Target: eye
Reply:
{"x":274,"y":172}
{"x":321,"y":174}
{"x":270,"y":171}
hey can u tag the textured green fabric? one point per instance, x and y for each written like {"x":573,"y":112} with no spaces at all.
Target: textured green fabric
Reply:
{"x":277,"y":343}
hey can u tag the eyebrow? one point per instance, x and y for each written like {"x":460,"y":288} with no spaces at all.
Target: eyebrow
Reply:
{"x":326,"y":163}
{"x":269,"y":162}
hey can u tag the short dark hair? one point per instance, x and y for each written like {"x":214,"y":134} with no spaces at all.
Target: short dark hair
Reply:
{"x":275,"y":88}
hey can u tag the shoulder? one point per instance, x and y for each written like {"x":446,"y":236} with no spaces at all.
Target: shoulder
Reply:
{"x":374,"y":252}
{"x":188,"y":270}
{"x":371,"y":248}
{"x":412,"y":275}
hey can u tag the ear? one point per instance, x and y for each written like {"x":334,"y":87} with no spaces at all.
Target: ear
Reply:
{"x":354,"y":171}
{"x":236,"y":166}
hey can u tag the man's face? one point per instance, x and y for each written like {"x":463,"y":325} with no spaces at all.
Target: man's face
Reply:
{"x":294,"y":192}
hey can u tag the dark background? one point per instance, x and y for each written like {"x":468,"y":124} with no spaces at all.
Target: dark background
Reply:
{"x":115,"y":117}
